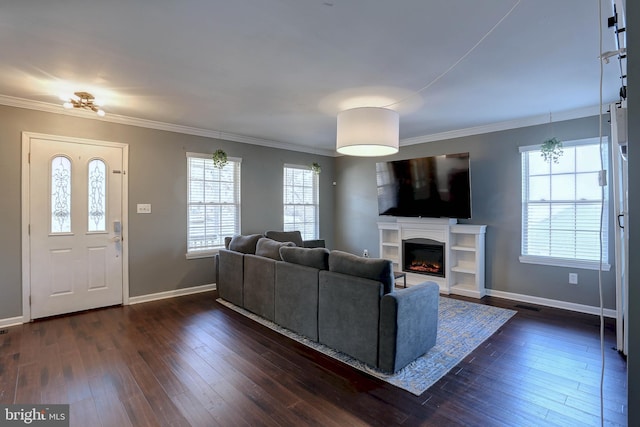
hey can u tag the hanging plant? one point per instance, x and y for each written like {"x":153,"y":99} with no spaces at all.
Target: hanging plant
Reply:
{"x":551,"y":150}
{"x":219,"y":159}
{"x":315,"y":167}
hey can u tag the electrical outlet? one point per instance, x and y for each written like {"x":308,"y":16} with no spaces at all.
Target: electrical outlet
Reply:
{"x":365,"y":253}
{"x":143,"y":208}
{"x":573,"y":278}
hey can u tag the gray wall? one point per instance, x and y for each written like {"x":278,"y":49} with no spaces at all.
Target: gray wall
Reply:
{"x":157,"y":175}
{"x":496,"y":202}
{"x":633,"y":355}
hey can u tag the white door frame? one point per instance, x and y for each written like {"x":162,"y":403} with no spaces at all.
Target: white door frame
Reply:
{"x":25,"y":211}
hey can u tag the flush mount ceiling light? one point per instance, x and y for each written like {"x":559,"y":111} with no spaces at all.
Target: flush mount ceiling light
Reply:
{"x":368,"y":132}
{"x":84,"y":100}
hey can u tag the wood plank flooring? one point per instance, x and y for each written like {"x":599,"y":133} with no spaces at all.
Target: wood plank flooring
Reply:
{"x":189,"y":361}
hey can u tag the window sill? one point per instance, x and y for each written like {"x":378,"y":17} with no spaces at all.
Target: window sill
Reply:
{"x":208,"y":253}
{"x":564,"y":262}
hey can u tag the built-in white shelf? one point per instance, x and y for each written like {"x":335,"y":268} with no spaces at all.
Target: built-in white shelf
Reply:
{"x":463,"y":248}
{"x":464,"y":252}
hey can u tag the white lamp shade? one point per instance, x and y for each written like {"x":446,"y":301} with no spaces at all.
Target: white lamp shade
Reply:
{"x":368,"y":132}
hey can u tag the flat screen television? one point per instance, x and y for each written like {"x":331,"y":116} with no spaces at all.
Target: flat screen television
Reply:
{"x":435,"y":187}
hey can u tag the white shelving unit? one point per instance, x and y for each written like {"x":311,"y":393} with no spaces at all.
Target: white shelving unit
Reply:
{"x":390,"y":244}
{"x":466,"y":260}
{"x":464,"y":252}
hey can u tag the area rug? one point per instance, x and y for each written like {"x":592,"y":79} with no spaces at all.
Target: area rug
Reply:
{"x":462,"y":327}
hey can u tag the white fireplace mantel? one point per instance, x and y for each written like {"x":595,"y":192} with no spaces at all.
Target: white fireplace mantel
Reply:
{"x":464,"y":252}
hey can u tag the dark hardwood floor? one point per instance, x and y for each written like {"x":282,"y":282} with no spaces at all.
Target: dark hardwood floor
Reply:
{"x":190,"y":361}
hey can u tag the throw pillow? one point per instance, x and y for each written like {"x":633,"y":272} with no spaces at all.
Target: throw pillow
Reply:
{"x":244,"y":244}
{"x":368,"y":268}
{"x":310,"y":257}
{"x":269,"y":248}
{"x":286,"y":236}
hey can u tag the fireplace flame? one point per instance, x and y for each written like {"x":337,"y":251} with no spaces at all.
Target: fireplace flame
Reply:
{"x":425,"y":267}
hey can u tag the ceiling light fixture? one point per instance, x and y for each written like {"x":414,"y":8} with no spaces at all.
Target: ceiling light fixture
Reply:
{"x":368,"y":132}
{"x":84,"y":100}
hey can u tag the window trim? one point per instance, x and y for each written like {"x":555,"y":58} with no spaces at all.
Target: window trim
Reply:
{"x":317,"y":197}
{"x":557,"y":261}
{"x":564,"y":262}
{"x":212,"y":251}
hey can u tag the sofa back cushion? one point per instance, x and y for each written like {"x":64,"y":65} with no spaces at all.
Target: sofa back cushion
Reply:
{"x":244,"y":244}
{"x":286,"y":236}
{"x":309,"y":257}
{"x":377,"y":269}
{"x":269,"y":248}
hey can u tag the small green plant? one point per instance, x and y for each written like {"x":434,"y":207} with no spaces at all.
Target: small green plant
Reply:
{"x":551,"y":150}
{"x":219,"y":159}
{"x":316,"y":168}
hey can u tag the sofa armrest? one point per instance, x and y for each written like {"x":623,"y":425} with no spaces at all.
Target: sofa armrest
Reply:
{"x":408,"y":325}
{"x":231,"y":276}
{"x":349,"y":314}
{"x":216,"y":268}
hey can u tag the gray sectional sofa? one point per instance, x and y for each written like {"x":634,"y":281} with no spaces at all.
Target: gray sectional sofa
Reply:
{"x":338,"y":299}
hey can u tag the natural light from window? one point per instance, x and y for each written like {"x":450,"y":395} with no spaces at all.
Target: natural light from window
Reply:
{"x":301,"y":201}
{"x":561,"y":205}
{"x":213,"y":210}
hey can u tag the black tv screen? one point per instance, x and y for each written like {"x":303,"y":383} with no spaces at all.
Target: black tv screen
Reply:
{"x":436,"y":187}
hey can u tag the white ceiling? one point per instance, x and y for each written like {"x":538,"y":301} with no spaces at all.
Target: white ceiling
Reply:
{"x":278,"y":71}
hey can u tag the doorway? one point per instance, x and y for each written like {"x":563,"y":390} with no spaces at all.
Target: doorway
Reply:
{"x":74,"y":206}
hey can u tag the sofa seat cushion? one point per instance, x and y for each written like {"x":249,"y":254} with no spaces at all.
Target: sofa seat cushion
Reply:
{"x":244,"y":244}
{"x":269,"y":248}
{"x":368,"y":268}
{"x":309,"y":257}
{"x":286,"y":236}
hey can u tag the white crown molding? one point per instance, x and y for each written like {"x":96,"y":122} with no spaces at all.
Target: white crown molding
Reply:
{"x":208,"y":133}
{"x":151,"y":124}
{"x":580,"y":113}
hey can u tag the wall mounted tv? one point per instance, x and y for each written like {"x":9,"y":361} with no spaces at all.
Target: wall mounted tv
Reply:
{"x":436,"y":187}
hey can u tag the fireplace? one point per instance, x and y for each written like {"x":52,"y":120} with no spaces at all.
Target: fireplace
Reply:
{"x":423,"y":256}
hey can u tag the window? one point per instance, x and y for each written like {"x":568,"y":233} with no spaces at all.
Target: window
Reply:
{"x":561,"y":205}
{"x":97,"y":205}
{"x":301,"y":201}
{"x":213,"y":204}
{"x":60,"y":195}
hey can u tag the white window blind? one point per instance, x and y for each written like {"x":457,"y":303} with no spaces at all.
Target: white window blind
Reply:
{"x":213,"y":203}
{"x":301,"y":201}
{"x":561,"y":205}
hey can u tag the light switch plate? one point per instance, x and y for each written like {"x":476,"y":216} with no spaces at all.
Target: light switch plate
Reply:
{"x":144,"y":208}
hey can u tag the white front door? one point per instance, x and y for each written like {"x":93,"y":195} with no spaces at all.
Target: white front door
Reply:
{"x":75,"y":217}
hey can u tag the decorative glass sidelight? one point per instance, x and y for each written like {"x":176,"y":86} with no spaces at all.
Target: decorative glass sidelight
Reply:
{"x":97,"y":195}
{"x":60,"y":195}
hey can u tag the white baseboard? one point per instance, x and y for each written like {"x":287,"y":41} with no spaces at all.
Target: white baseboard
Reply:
{"x":19,"y":320}
{"x":172,"y":294}
{"x":11,"y":321}
{"x":588,"y":309}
